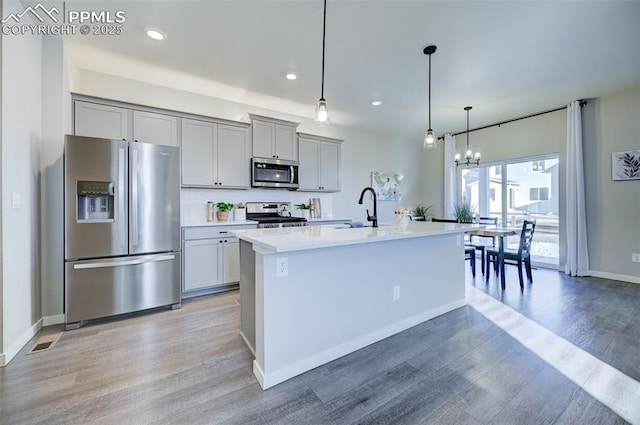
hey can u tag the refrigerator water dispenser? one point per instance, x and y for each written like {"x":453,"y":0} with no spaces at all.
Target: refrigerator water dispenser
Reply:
{"x":95,"y":201}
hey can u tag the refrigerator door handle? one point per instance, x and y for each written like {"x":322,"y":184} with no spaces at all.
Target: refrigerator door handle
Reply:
{"x":120,"y":197}
{"x":134,"y":262}
{"x":134,"y":196}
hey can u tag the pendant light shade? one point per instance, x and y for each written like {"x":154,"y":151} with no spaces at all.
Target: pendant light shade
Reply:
{"x":322,"y":112}
{"x":323,"y":117}
{"x":430,"y":140}
{"x":470,"y":155}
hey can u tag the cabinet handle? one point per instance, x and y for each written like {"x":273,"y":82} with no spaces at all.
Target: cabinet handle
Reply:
{"x":223,"y":231}
{"x":220,"y":241}
{"x":225,"y":241}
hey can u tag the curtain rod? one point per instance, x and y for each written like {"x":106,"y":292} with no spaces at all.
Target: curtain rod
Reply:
{"x":498,"y":124}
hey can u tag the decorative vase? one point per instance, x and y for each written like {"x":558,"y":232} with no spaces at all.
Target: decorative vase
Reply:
{"x":222,"y":215}
{"x":240,"y":214}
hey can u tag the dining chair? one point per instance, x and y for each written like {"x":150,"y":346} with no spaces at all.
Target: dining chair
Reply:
{"x":469,"y":252}
{"x":518,"y":258}
{"x":483,"y":242}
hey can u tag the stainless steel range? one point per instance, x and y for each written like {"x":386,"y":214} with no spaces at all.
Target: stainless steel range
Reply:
{"x":273,"y":214}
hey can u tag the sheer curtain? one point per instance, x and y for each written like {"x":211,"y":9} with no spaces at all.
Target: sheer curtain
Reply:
{"x":450,"y":190}
{"x":576,"y":221}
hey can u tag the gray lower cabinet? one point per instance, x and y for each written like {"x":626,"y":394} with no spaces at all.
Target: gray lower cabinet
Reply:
{"x":211,"y":259}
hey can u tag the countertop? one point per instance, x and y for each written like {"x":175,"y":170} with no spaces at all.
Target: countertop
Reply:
{"x":220,"y":223}
{"x":329,"y":219}
{"x":252,"y":222}
{"x":311,"y":237}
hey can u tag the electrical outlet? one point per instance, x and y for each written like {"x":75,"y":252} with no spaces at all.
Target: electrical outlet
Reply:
{"x":282,"y":266}
{"x":635,"y":257}
{"x":396,"y":292}
{"x":16,"y":200}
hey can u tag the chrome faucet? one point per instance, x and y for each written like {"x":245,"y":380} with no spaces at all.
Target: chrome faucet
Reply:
{"x":373,"y":218}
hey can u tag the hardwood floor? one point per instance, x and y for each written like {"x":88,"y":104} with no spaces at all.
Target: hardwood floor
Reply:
{"x":190,"y":366}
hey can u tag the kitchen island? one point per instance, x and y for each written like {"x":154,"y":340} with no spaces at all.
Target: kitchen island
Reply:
{"x":310,"y":295}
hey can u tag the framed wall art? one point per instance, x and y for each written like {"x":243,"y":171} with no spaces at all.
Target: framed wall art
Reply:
{"x":386,"y":185}
{"x":625,"y":165}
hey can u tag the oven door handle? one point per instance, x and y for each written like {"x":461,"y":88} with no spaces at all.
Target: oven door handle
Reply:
{"x":293,"y":173}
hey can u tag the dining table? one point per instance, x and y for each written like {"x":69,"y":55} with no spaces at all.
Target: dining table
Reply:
{"x":499,"y":233}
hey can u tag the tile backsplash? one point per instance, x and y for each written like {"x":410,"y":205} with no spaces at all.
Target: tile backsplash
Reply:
{"x":193,"y":202}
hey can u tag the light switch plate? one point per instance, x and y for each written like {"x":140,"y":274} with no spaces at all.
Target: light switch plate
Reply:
{"x":16,"y":200}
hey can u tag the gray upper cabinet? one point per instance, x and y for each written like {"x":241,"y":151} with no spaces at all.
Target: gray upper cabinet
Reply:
{"x":320,"y":168}
{"x":273,"y":138}
{"x":214,"y":155}
{"x":105,"y":121}
{"x":198,"y":146}
{"x":110,"y":121}
{"x":160,"y":129}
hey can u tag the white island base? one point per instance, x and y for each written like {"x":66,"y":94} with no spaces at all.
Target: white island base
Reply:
{"x":342,"y":290}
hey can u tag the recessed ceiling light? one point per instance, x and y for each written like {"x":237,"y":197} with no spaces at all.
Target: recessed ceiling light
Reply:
{"x":376,"y":103}
{"x":156,"y":34}
{"x":291,"y":76}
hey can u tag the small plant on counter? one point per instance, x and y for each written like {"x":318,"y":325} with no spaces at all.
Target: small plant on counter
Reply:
{"x":463,"y":211}
{"x":224,"y":206}
{"x":421,"y":211}
{"x":223,"y":210}
{"x":305,"y":209}
{"x":239,"y":212}
{"x":304,"y":206}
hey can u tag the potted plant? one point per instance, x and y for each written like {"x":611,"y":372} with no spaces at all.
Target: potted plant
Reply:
{"x":223,"y":210}
{"x":239,"y":212}
{"x":463,"y":211}
{"x":305,"y":209}
{"x":421,"y":212}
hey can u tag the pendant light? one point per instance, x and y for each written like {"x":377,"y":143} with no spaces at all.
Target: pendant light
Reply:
{"x":429,"y":139}
{"x":469,"y":154}
{"x":322,"y":110}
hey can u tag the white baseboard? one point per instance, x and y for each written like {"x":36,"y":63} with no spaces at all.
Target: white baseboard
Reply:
{"x":20,"y":342}
{"x":53,"y":320}
{"x":270,"y":379}
{"x":614,"y":276}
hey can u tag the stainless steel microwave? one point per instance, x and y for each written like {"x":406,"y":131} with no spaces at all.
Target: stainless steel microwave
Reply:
{"x":275,"y":173}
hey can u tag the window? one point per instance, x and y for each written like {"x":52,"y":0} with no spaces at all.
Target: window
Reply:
{"x":537,"y":165}
{"x":539,"y":194}
{"x":516,"y":190}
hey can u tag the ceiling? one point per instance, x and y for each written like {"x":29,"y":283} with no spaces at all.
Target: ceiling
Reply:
{"x":505,"y":58}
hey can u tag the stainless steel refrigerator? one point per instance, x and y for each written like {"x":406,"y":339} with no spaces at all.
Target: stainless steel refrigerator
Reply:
{"x":122,"y":227}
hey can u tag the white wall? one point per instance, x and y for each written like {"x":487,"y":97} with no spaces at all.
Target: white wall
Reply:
{"x":21,"y":141}
{"x":611,"y":124}
{"x":56,"y":121}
